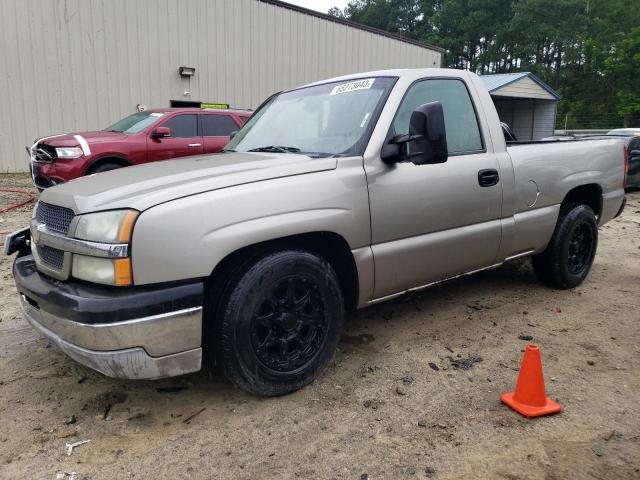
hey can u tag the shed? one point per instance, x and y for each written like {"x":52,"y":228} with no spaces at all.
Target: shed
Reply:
{"x":524,"y":102}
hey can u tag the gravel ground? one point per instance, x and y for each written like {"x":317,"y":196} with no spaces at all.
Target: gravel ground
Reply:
{"x":413,"y":391}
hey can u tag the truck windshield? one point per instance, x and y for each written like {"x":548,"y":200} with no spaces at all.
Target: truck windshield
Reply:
{"x":323,"y":120}
{"x":135,"y":123}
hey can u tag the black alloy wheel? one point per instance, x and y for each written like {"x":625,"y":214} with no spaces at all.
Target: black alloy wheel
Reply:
{"x":289,"y":326}
{"x":273,"y":320}
{"x":567,"y":260}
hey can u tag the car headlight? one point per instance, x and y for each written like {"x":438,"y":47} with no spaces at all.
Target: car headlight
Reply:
{"x":69,"y":152}
{"x":108,"y":271}
{"x":115,"y":226}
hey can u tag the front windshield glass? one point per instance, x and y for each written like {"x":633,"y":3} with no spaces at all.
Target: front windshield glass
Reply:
{"x":323,"y":120}
{"x":135,"y":123}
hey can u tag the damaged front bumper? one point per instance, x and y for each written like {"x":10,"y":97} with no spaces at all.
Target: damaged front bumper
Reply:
{"x":136,"y":333}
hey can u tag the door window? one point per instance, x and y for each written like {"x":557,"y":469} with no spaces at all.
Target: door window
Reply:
{"x":183,"y":126}
{"x":461,"y":123}
{"x":218,"y":125}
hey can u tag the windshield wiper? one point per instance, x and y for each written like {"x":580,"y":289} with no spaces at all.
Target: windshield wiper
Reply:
{"x":227,"y":150}
{"x":275,"y":148}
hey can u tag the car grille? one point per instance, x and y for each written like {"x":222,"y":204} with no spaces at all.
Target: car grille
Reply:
{"x":54,"y":217}
{"x":44,"y":153}
{"x":52,"y":257}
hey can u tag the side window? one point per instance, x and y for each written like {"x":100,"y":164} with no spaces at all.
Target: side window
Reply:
{"x":183,"y":126}
{"x":218,"y":125}
{"x":460,"y":121}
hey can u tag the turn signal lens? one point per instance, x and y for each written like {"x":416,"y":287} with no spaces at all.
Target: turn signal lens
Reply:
{"x":122,"y":267}
{"x":126,"y":227}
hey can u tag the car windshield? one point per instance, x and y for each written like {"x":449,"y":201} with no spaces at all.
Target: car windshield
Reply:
{"x":323,"y":120}
{"x":135,"y":123}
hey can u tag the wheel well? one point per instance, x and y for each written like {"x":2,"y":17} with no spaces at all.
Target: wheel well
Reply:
{"x":590,"y":195}
{"x":101,"y":161}
{"x":328,"y":245}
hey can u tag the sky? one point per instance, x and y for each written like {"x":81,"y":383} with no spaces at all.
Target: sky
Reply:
{"x":319,"y":5}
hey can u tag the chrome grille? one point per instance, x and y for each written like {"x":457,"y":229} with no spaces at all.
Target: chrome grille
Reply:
{"x":54,"y":217}
{"x":52,"y":257}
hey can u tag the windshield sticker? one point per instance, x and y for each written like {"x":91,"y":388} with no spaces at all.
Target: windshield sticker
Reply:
{"x":156,"y":114}
{"x":353,"y":86}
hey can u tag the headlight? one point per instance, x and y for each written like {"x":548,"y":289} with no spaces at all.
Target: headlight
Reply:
{"x":69,"y":152}
{"x":105,"y":227}
{"x":108,"y":271}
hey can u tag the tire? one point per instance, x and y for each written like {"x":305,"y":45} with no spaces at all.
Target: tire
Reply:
{"x":567,"y":260}
{"x":276,"y":321}
{"x":105,"y":167}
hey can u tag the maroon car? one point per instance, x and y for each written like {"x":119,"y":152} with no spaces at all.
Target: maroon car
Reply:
{"x":147,"y":136}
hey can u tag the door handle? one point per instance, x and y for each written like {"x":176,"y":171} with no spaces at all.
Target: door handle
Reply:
{"x":193,"y":145}
{"x":488,"y":177}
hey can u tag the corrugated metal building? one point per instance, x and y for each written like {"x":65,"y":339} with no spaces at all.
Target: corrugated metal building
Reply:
{"x":74,"y":65}
{"x":525,"y":103}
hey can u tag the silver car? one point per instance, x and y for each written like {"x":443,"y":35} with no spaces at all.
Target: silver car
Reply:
{"x":333,"y":196}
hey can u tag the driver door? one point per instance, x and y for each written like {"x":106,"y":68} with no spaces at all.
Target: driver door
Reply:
{"x":432,"y":222}
{"x":184,"y":140}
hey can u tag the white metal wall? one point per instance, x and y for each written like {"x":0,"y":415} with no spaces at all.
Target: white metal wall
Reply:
{"x":74,"y":65}
{"x":529,"y":119}
{"x":545,"y":119}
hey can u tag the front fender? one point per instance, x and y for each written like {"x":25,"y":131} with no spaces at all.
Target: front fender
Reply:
{"x":103,"y":156}
{"x":186,"y":238}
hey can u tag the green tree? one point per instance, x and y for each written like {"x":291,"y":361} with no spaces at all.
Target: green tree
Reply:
{"x":587,"y":50}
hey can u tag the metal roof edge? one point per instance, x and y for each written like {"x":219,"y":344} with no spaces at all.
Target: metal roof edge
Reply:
{"x":533,"y":77}
{"x":353,"y":24}
{"x":544,"y":85}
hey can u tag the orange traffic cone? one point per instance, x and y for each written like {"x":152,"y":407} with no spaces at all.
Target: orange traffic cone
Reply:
{"x":529,"y":398}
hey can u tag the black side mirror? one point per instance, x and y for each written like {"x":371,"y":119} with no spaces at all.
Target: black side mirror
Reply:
{"x":232,"y":134}
{"x":426,"y":142}
{"x":161,"y":132}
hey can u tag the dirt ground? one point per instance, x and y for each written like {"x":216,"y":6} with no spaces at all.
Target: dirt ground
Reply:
{"x":391,"y":405}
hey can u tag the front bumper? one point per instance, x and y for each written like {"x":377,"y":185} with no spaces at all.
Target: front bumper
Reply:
{"x":136,"y":333}
{"x":40,"y":180}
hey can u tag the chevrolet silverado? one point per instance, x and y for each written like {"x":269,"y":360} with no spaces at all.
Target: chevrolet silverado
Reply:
{"x":333,"y":196}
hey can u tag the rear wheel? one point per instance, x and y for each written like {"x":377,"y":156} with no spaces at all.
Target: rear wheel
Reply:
{"x":567,"y":260}
{"x":277,"y":322}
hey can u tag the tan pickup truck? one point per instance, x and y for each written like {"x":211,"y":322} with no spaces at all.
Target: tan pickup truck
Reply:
{"x":332,"y":197}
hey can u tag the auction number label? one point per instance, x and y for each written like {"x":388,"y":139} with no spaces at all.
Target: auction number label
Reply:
{"x":353,"y":86}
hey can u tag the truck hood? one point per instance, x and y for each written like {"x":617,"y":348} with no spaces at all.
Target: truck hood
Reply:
{"x":99,"y":136}
{"x":143,"y":186}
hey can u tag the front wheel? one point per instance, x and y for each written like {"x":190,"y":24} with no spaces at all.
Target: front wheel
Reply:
{"x":567,"y":260}
{"x":106,"y":167}
{"x":278,"y":323}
